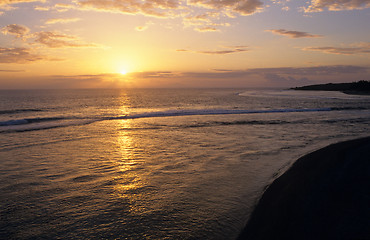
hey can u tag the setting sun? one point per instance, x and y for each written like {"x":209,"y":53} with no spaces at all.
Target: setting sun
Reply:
{"x":123,"y":72}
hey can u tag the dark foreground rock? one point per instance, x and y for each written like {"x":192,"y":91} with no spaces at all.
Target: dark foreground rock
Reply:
{"x":324,"y":195}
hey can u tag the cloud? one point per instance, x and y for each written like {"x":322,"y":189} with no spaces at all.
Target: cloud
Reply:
{"x":193,"y":12}
{"x":156,"y":74}
{"x":9,"y":2}
{"x":285,"y":79}
{"x":49,"y":39}
{"x":59,"y":40}
{"x":231,"y":49}
{"x":286,"y":72}
{"x":17,"y":30}
{"x":6,"y":5}
{"x":284,"y":76}
{"x":257,"y":77}
{"x":141,"y":28}
{"x":62,"y":7}
{"x":200,"y":13}
{"x":277,"y":73}
{"x":104,"y":80}
{"x":59,"y":7}
{"x":336,"y":5}
{"x":358,"y":49}
{"x":11,"y":71}
{"x":248,"y":7}
{"x":156,"y":8}
{"x":144,"y":27}
{"x":207,"y":29}
{"x":20,"y":55}
{"x":318,"y":70}
{"x":41,"y":8}
{"x":62,"y":20}
{"x":293,"y":34}
{"x":241,"y":7}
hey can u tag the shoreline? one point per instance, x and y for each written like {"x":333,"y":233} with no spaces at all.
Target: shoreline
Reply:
{"x":324,"y":195}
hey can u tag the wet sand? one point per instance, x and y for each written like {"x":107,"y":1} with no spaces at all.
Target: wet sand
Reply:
{"x":324,"y":195}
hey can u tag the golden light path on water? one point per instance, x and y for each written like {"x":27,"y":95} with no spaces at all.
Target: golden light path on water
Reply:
{"x":128,"y":159}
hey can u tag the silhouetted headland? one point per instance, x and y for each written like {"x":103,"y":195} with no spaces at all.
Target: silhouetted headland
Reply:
{"x":360,"y":87}
{"x":324,"y":195}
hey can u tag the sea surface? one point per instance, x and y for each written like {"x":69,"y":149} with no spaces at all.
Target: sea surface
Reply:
{"x":155,"y":163}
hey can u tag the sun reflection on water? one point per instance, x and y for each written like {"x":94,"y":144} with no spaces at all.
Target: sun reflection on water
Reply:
{"x":129,"y":179}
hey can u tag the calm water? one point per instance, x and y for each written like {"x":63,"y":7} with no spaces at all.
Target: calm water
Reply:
{"x":155,"y":164}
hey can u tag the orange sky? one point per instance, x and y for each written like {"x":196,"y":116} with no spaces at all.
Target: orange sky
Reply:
{"x":188,"y":43}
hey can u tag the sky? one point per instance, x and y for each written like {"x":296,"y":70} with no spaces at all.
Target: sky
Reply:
{"x":182,"y":43}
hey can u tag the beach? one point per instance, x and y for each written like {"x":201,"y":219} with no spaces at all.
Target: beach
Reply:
{"x":324,"y":195}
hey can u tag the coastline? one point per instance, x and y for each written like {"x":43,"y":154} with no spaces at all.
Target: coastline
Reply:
{"x":324,"y":195}
{"x":366,"y":93}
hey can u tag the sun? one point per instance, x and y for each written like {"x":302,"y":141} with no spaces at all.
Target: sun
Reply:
{"x":123,"y":71}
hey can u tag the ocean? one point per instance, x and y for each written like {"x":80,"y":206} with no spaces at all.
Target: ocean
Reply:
{"x":155,"y":163}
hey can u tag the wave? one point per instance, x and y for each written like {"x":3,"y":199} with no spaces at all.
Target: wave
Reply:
{"x":176,"y":113}
{"x":13,"y":111}
{"x":349,"y":108}
{"x":29,"y":120}
{"x":30,"y":124}
{"x":251,"y":122}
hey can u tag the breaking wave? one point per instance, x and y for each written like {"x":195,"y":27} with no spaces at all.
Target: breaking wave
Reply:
{"x":37,"y":123}
{"x":29,"y":121}
{"x":31,"y":124}
{"x":175,"y":113}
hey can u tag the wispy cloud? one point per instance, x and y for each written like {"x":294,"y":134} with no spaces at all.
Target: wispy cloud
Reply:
{"x":11,"y":71}
{"x":62,"y":20}
{"x":20,"y":55}
{"x":105,"y":80}
{"x":26,"y":54}
{"x":288,"y":74}
{"x":194,"y":12}
{"x":230,"y":49}
{"x":285,"y":76}
{"x":9,"y":2}
{"x":156,"y":8}
{"x":360,"y":48}
{"x":49,"y":39}
{"x":282,"y":72}
{"x":336,"y":5}
{"x":59,"y":40}
{"x":18,"y":31}
{"x":293,"y":34}
{"x":241,"y":7}
{"x":202,"y":13}
{"x":207,"y":29}
{"x":41,"y":8}
{"x":144,"y":27}
{"x":59,"y":7}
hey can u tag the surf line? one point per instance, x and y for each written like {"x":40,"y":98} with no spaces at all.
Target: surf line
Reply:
{"x":180,"y":113}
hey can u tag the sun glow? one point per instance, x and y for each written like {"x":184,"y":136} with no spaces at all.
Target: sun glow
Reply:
{"x":123,"y":71}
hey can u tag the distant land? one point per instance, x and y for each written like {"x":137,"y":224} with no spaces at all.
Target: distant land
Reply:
{"x":361,"y":87}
